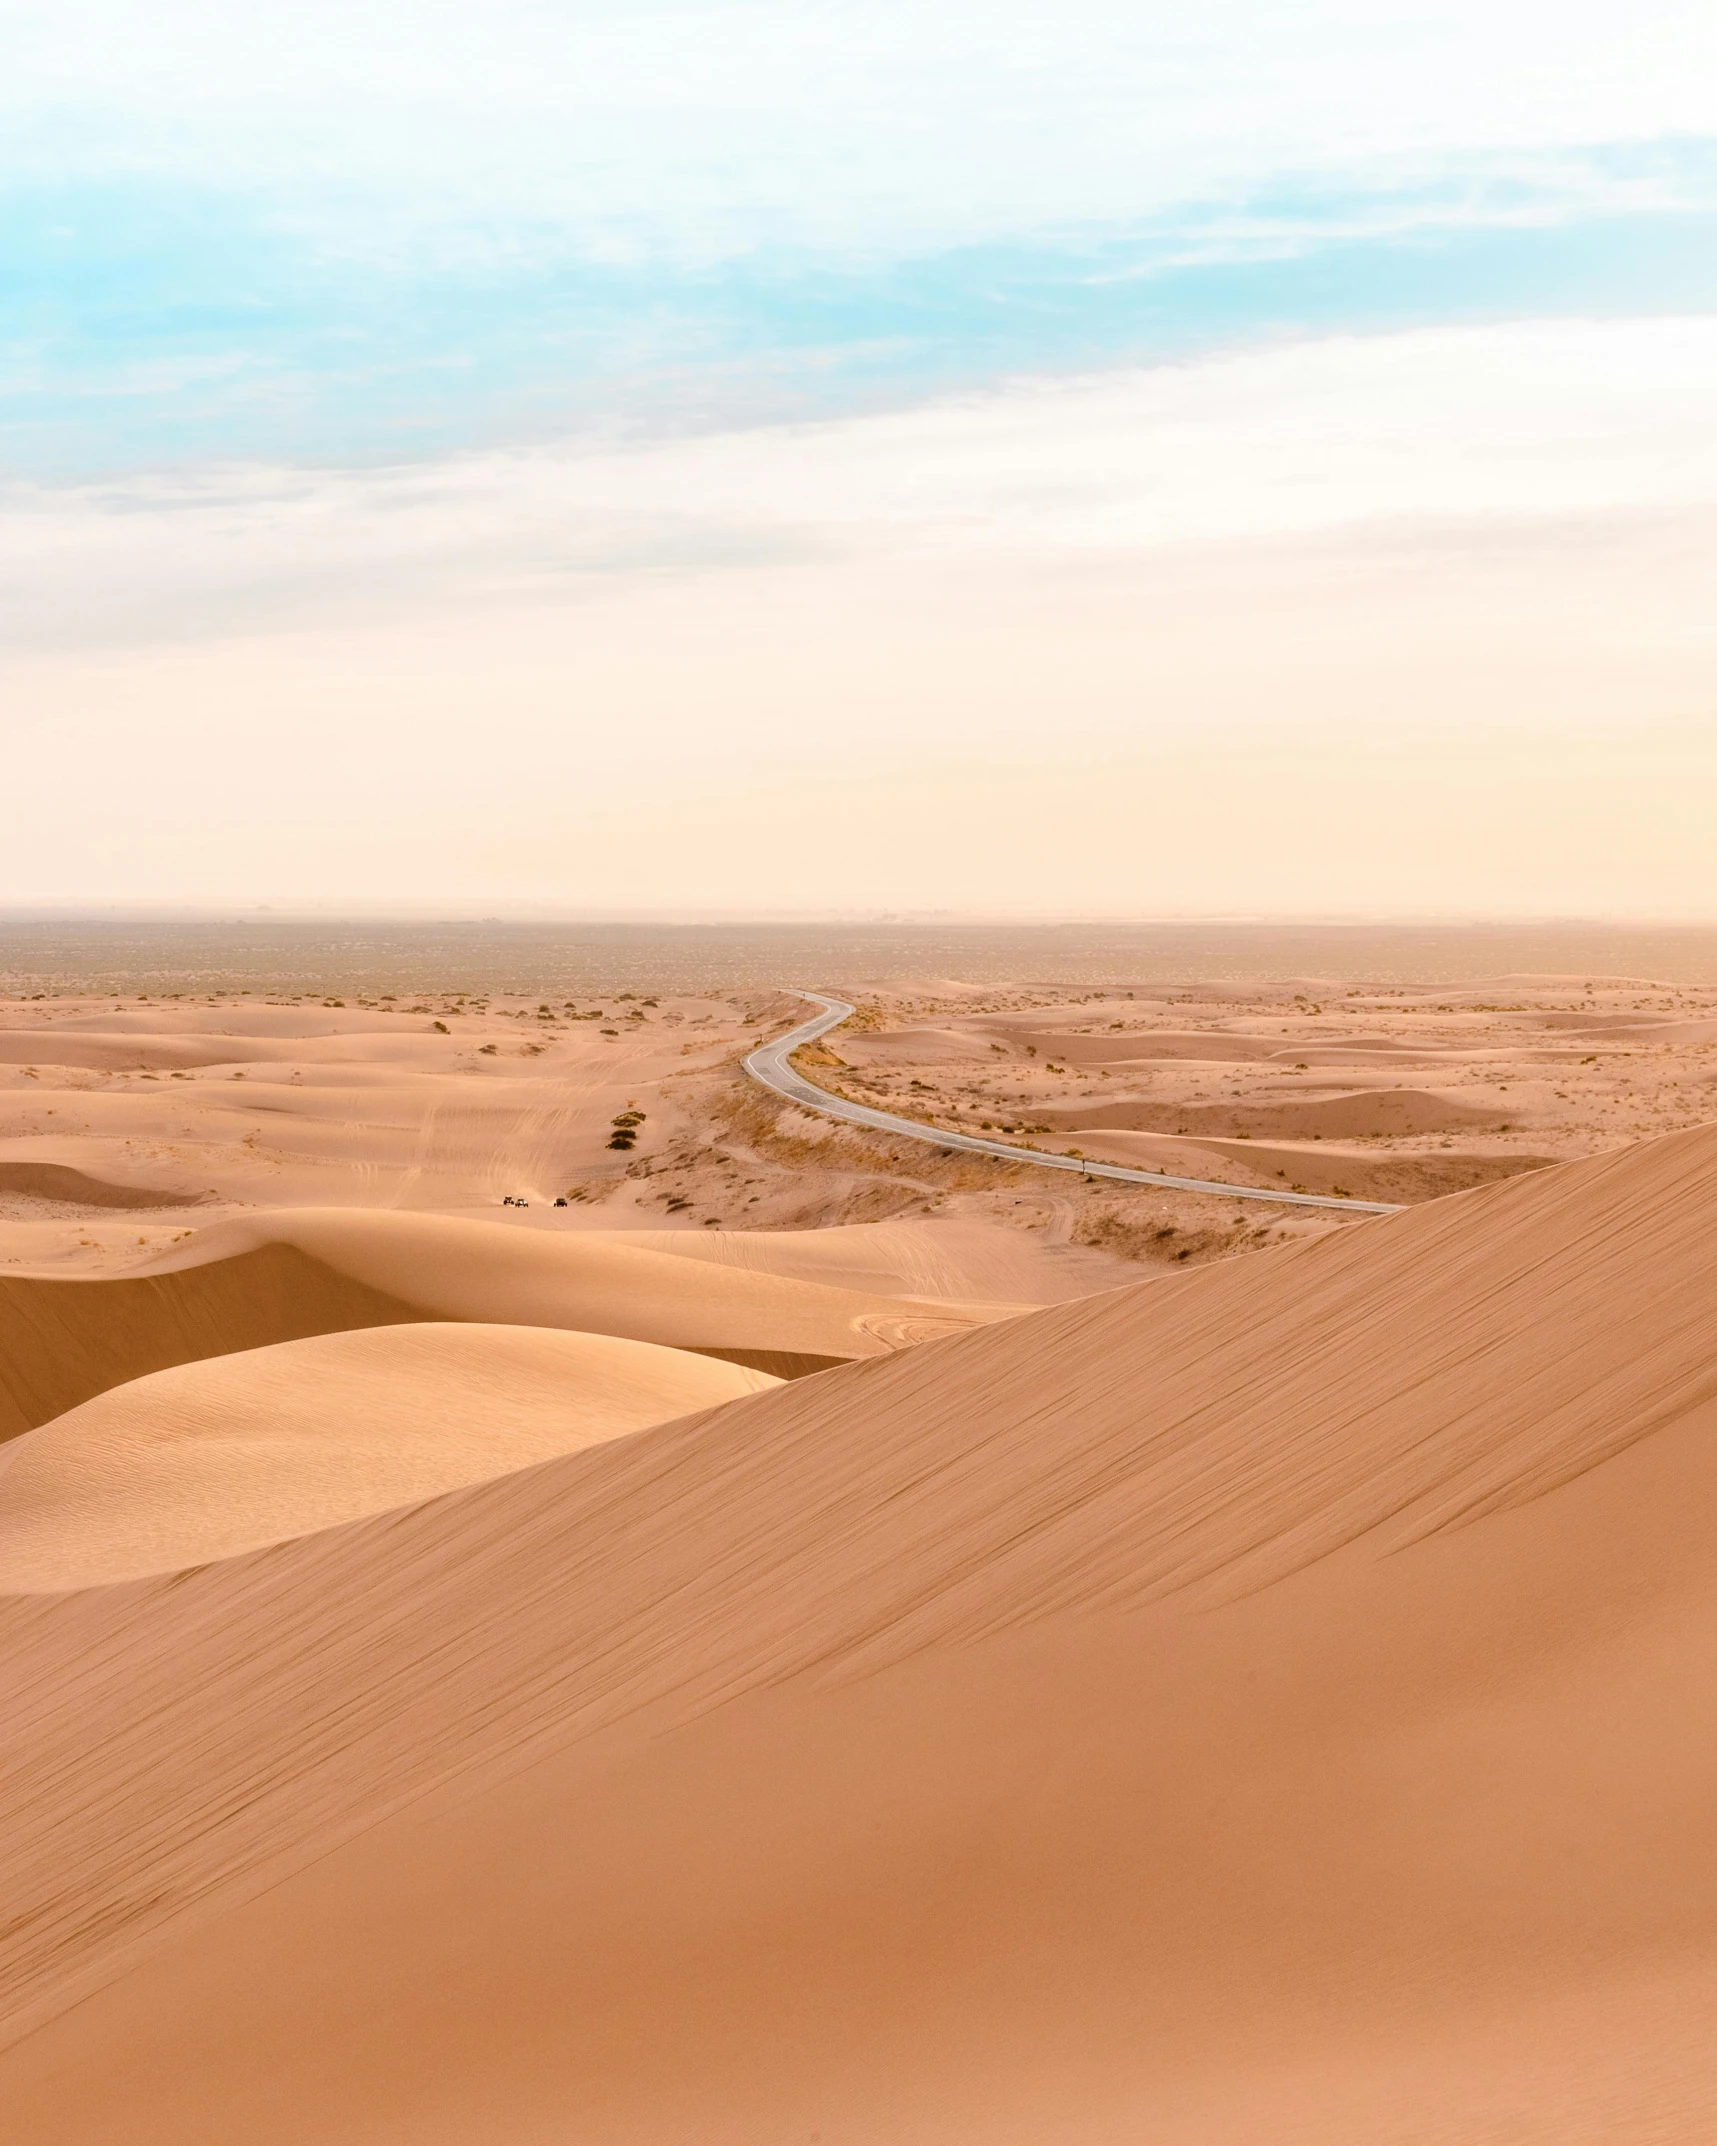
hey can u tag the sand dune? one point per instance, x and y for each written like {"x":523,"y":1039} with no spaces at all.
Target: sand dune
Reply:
{"x":1624,"y":1024}
{"x":915,"y":1046}
{"x":217,"y":1457}
{"x":1326,"y":1166}
{"x":1357,"y":1056}
{"x":303,"y":1271}
{"x":1273,"y":1703}
{"x":115,"y":1053}
{"x":443,"y":1104}
{"x":1123,"y":1046}
{"x":60,"y":1183}
{"x":61,"y":1342}
{"x":451,"y":1268}
{"x":1371,"y":1111}
{"x":940,"y":1259}
{"x":435,"y":1106}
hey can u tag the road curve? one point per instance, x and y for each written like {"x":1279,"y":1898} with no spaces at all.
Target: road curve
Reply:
{"x":768,"y":1066}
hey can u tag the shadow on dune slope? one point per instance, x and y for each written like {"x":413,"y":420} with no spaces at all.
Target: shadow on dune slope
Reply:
{"x":292,"y":1273}
{"x":59,"y":1183}
{"x":62,"y":1342}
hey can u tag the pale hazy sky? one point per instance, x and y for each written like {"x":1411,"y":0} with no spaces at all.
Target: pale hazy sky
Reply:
{"x":1130,"y":458}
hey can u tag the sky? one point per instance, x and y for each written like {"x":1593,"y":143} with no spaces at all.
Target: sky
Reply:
{"x":749,"y":458}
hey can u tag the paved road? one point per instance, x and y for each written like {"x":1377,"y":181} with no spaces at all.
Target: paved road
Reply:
{"x":768,"y":1065}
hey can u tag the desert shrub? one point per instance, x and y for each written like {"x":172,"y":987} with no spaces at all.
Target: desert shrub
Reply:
{"x":1150,"y":1238}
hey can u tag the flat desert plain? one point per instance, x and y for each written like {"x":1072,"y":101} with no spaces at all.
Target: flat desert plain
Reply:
{"x":551,"y":1595}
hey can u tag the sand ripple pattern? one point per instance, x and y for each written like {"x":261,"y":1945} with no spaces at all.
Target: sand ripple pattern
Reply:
{"x":174,"y":1744}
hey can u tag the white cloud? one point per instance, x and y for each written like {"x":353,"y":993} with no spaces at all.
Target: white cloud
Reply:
{"x":739,"y":124}
{"x":1449,"y":426}
{"x":1532,"y":419}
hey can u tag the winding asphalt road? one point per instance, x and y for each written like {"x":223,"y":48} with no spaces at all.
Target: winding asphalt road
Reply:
{"x":768,"y":1066}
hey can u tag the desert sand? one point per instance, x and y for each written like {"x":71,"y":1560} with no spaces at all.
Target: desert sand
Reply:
{"x":229,"y":1453}
{"x":125,"y":1124}
{"x":454,"y":1693}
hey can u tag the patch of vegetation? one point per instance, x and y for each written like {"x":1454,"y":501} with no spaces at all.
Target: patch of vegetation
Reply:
{"x":1151,"y":1238}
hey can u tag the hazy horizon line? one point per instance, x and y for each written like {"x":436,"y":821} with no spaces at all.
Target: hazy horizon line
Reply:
{"x":431,"y":912}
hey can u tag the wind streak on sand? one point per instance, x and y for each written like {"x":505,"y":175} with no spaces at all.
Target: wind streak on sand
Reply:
{"x":769,"y":1066}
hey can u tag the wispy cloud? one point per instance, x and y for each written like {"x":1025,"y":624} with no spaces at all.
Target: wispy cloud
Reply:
{"x":142,"y":332}
{"x":233,"y":234}
{"x":1531,"y":422}
{"x":722,"y":125}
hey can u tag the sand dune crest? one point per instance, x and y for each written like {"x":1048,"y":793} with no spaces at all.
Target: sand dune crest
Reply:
{"x":450,"y":1268}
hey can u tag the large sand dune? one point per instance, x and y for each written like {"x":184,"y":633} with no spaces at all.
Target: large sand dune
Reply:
{"x":453,"y":1268}
{"x":63,"y":1341}
{"x":225,"y":1455}
{"x":1270,"y":1704}
{"x":302,"y":1271}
